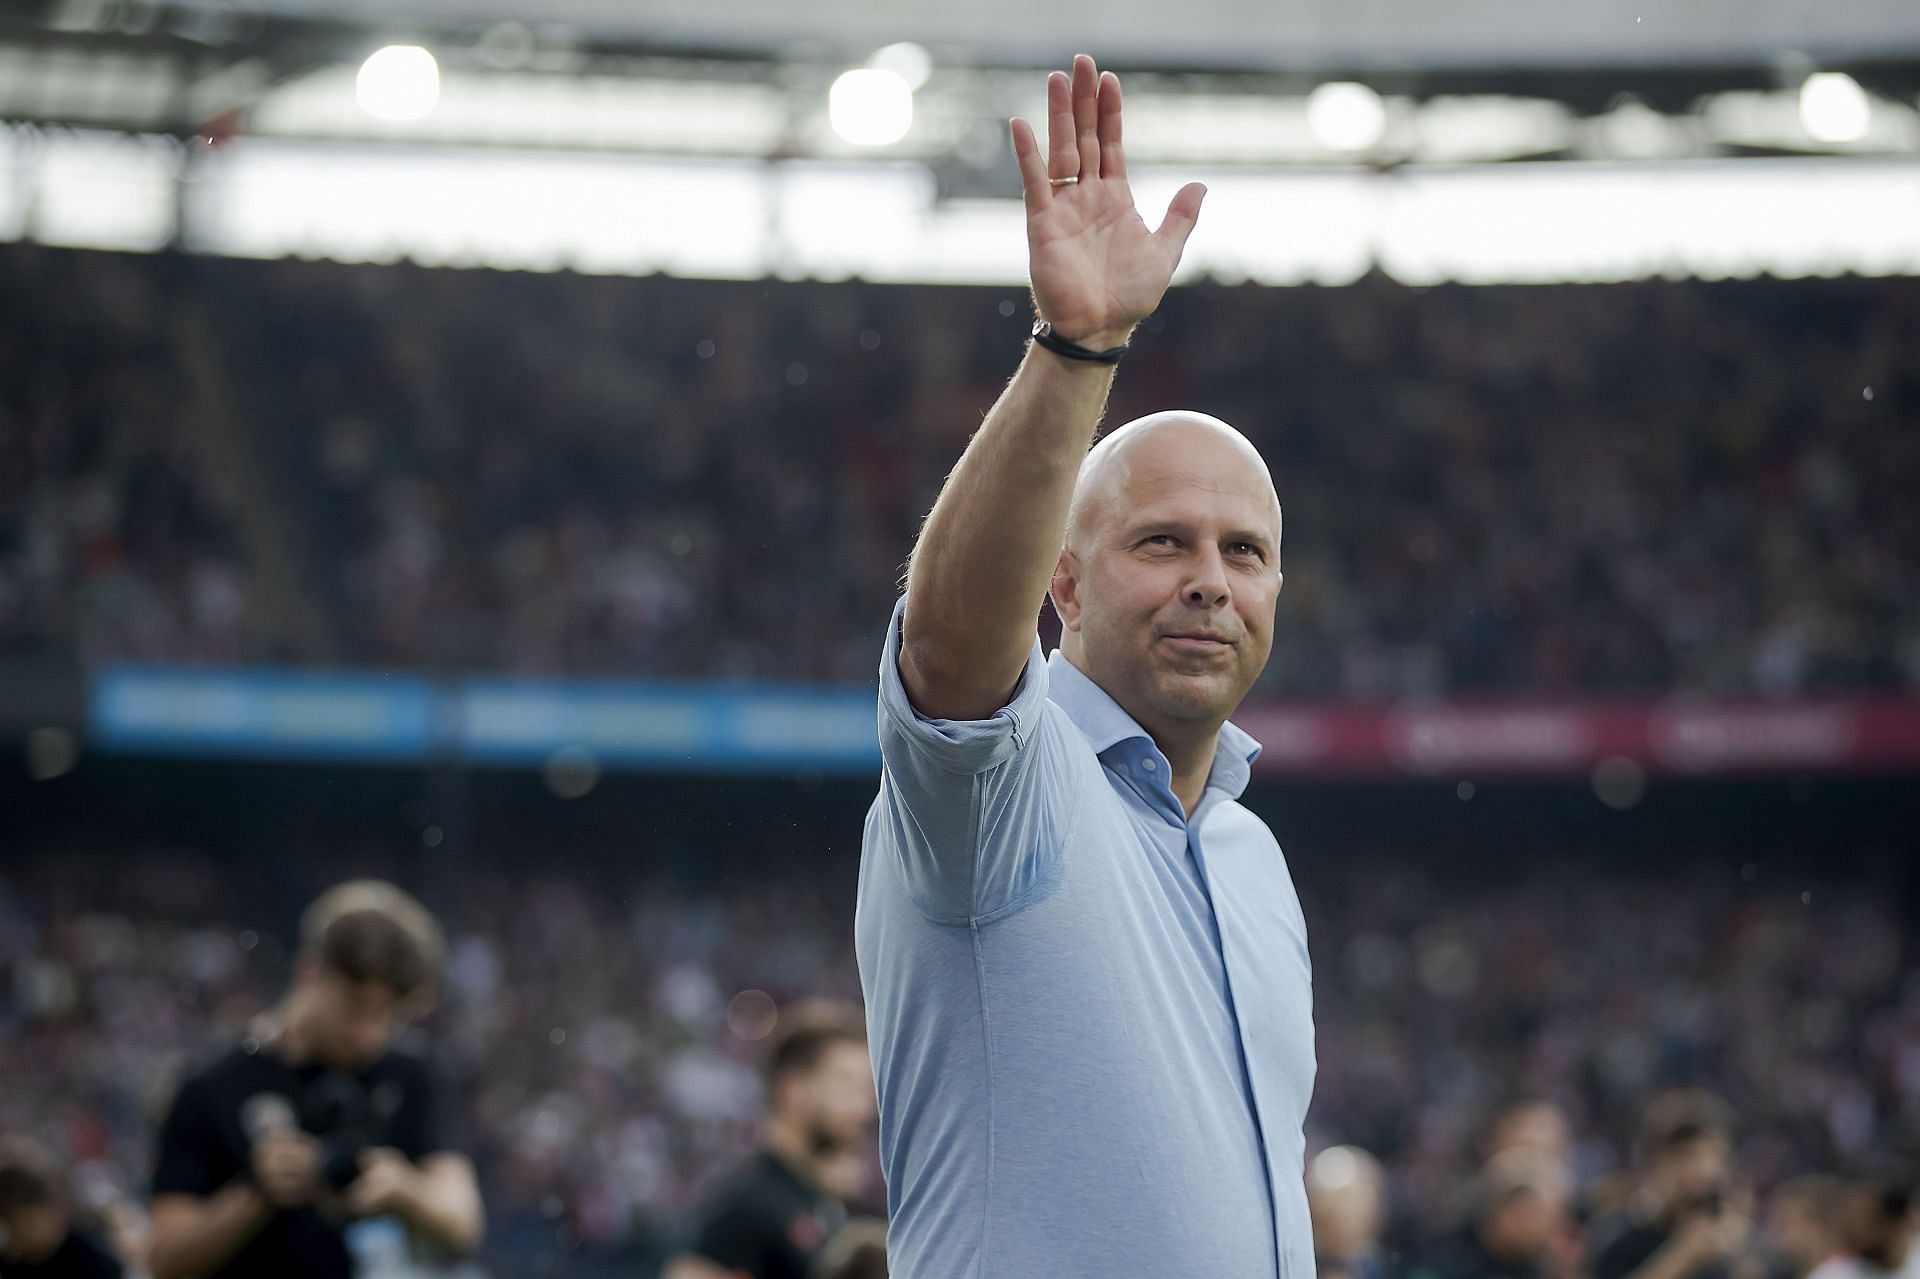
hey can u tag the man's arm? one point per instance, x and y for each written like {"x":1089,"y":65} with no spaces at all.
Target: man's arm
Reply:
{"x":1701,"y":1240}
{"x":989,"y":548}
{"x":196,"y":1236}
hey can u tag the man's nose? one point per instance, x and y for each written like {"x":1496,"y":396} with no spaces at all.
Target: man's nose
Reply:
{"x":1208,"y":588}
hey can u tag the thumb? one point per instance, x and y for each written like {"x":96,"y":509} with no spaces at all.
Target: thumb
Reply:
{"x":1182,"y":214}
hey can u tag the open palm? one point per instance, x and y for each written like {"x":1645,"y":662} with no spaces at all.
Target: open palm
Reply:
{"x":1097,"y":270}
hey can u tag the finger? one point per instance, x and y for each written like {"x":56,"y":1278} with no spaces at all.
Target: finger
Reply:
{"x":1113,"y":164}
{"x":1033,"y":170}
{"x":1063,"y":153}
{"x":1180,"y":219}
{"x":1086,"y":116}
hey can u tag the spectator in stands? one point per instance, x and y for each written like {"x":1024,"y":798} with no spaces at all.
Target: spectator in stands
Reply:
{"x":771,"y":1218}
{"x":316,"y":1146}
{"x":1683,"y":1221}
{"x":1530,"y":1123}
{"x":1522,"y":516}
{"x":38,"y":1235}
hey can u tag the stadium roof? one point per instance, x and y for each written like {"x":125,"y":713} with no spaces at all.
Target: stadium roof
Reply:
{"x":1204,"y":34}
{"x":1700,"y":136}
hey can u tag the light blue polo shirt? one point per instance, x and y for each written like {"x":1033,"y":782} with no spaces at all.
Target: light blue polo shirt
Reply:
{"x":1091,"y":1018}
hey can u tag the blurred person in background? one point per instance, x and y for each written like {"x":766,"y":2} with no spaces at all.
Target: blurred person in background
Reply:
{"x":1541,"y":1126}
{"x":38,"y":1234}
{"x":859,"y":1251}
{"x":1876,"y":1223}
{"x":1346,"y":1200}
{"x":1803,"y":1224}
{"x":1085,"y":962}
{"x":847,"y":1174}
{"x":316,"y":1147}
{"x":771,"y":1218}
{"x":1530,"y":1123}
{"x":1517,"y":1209}
{"x":1684,"y":1219}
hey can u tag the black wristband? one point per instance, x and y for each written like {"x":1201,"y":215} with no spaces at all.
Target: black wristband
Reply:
{"x":1044,"y":335}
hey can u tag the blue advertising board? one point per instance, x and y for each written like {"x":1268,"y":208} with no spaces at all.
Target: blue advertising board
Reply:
{"x":354,"y":717}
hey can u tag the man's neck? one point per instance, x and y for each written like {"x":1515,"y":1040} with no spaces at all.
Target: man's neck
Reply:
{"x":1191,"y":760}
{"x":1189,"y":748}
{"x":288,"y":1033}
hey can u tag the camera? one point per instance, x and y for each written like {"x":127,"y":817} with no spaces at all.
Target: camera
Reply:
{"x":1709,"y":1203}
{"x":340,"y":1110}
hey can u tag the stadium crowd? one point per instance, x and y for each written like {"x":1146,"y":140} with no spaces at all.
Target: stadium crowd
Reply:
{"x":117,"y":536}
{"x":1555,"y":490}
{"x":601,"y":1030}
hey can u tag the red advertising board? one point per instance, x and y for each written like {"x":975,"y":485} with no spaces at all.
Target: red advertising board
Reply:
{"x":1682,"y":736}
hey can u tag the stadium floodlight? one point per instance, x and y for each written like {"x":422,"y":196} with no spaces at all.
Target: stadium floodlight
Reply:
{"x":910,"y":61}
{"x":870,"y":107}
{"x":1344,"y":116}
{"x":399,"y":82}
{"x":1834,"y":108}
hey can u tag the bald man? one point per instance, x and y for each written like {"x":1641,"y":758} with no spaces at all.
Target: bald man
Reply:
{"x":1347,"y":1198}
{"x":1088,"y":991}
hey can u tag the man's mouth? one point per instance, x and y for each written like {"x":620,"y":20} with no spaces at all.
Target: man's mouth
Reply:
{"x":1198,"y":641}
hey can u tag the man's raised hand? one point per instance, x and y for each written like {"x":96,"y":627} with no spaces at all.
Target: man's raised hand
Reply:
{"x":1096,"y":269}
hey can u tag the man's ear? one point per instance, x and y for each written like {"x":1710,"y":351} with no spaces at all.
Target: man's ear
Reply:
{"x":1065,"y":589}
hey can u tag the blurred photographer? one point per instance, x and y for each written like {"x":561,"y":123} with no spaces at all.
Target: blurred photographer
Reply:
{"x":316,"y":1148}
{"x":1685,"y":1219}
{"x":772,"y":1216}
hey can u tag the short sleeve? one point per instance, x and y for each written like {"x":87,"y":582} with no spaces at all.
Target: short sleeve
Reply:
{"x":189,"y":1160}
{"x":421,"y":1127}
{"x":961,"y":746}
{"x":975,"y":810}
{"x":732,"y":1237}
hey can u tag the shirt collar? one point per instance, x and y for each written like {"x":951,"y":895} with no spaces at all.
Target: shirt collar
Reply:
{"x":1100,"y":719}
